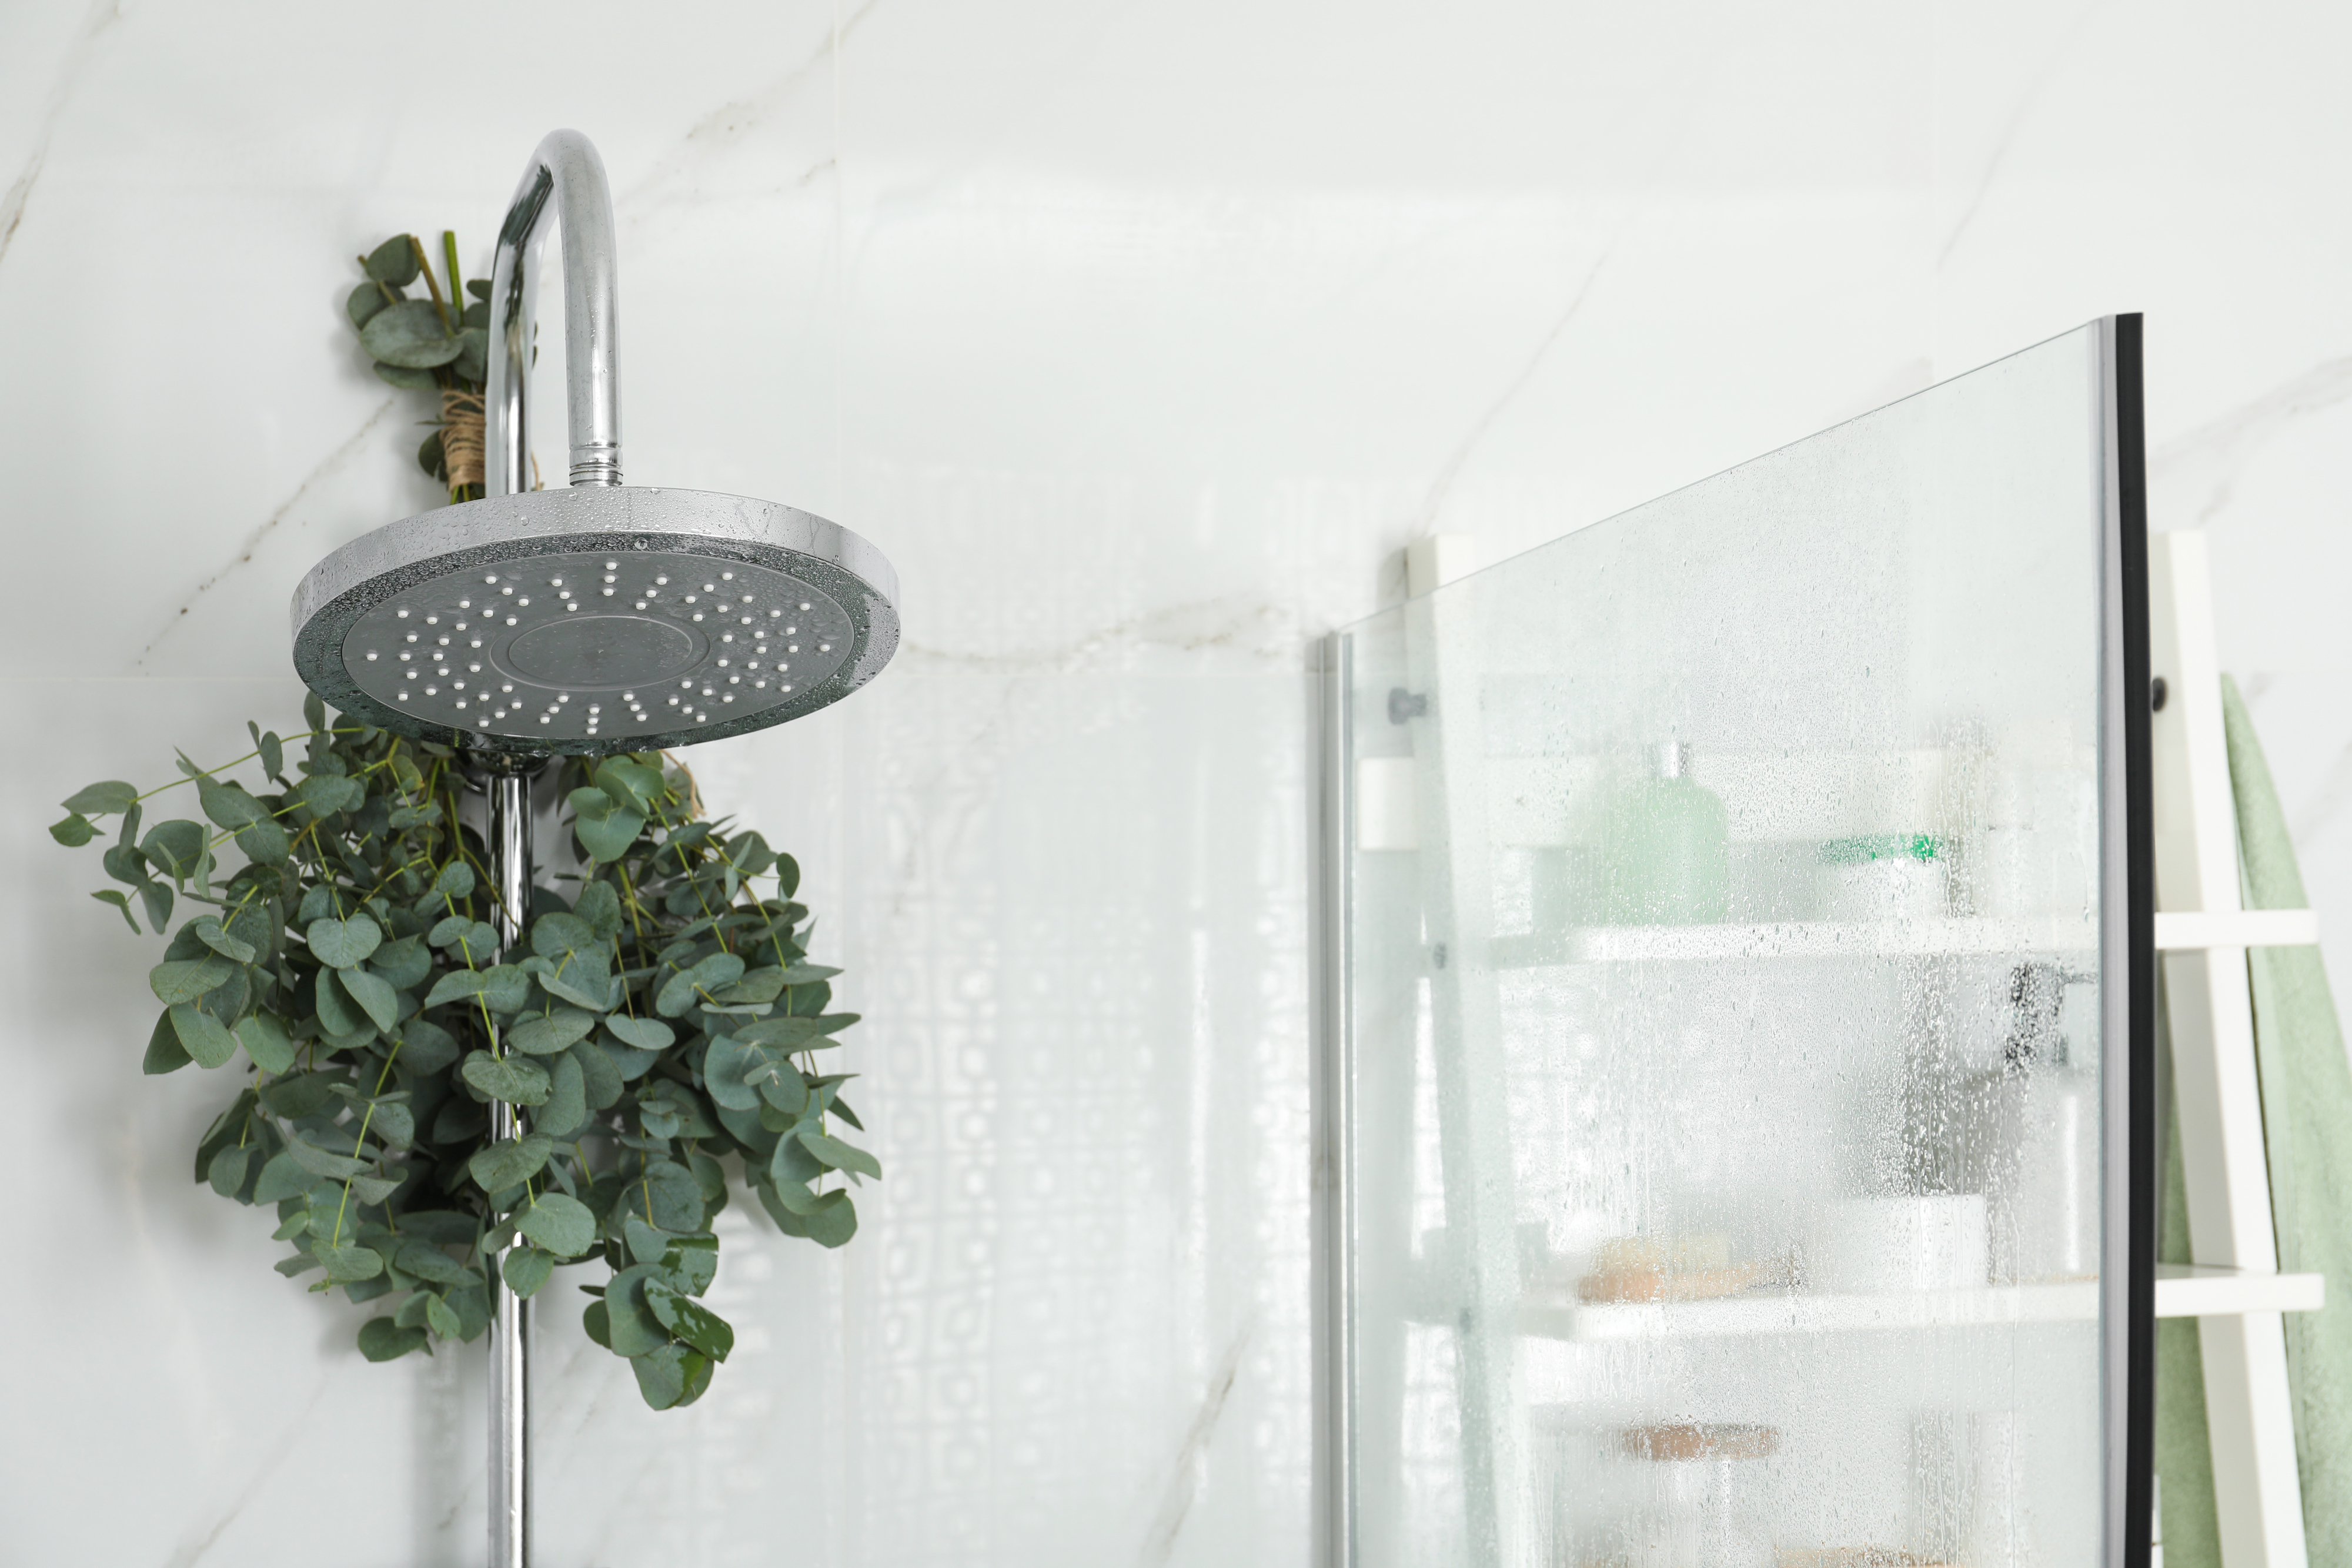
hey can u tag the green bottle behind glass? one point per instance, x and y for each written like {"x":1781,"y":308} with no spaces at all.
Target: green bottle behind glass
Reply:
{"x":1669,"y":847}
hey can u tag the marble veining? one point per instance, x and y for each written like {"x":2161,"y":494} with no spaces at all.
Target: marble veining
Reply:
{"x":2028,"y":100}
{"x":1426,"y":520}
{"x":730,"y":126}
{"x":1185,"y":1482}
{"x":2205,"y":464}
{"x":102,"y":15}
{"x":331,"y":464}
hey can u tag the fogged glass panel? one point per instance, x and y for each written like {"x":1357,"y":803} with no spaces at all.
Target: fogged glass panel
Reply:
{"x":1724,"y":989}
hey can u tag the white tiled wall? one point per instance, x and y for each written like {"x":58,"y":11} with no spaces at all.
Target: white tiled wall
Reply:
{"x":1141,"y":337}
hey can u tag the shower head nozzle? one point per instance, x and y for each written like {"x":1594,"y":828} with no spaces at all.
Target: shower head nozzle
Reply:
{"x":605,"y":617}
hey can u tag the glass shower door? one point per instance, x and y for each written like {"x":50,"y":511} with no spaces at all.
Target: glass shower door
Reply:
{"x":1731,"y":992}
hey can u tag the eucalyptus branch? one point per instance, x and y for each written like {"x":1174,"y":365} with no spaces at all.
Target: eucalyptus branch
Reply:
{"x":350,"y":967}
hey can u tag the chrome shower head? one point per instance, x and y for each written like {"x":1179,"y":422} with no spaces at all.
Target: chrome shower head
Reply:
{"x":601,"y":618}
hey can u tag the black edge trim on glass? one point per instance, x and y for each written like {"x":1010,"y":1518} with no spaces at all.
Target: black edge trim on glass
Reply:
{"x":2139,"y":1356}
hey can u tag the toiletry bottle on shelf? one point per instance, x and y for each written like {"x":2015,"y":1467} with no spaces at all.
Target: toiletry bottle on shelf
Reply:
{"x":1669,"y":847}
{"x":2045,"y":1215}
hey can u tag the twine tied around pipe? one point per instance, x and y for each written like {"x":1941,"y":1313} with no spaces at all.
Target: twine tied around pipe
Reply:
{"x":462,"y":435}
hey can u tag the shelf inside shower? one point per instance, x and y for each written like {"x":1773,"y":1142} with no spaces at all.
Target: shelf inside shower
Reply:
{"x":1794,"y":939}
{"x":2182,"y":1290}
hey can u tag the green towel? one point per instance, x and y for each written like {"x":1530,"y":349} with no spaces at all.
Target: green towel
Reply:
{"x":2306,"y":1086}
{"x":2308,"y":1127}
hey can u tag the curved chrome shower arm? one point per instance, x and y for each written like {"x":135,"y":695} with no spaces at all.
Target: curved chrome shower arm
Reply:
{"x":566,"y":167}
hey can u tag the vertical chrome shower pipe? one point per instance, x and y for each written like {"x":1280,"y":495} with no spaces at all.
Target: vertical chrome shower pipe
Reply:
{"x":510,"y":1500}
{"x":565,"y":167}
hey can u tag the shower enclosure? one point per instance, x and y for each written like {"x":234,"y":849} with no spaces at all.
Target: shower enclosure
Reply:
{"x":1738,"y":1012}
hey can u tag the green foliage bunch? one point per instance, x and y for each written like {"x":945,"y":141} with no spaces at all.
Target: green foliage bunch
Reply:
{"x":658,"y":1023}
{"x":439,"y":343}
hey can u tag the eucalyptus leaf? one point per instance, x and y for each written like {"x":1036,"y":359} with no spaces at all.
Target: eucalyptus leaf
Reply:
{"x":472,"y":363}
{"x":166,"y":1054}
{"x":508,"y":1164}
{"x":725,"y":1067}
{"x":73,"y":833}
{"x":323,"y":1161}
{"x":188,"y":978}
{"x":757,"y":986}
{"x":266,"y":1041}
{"x":209,"y":932}
{"x":525,"y":1270}
{"x":564,"y":1112}
{"x":518,"y":1080}
{"x":404,"y":377}
{"x":205,"y":1038}
{"x":690,"y":1320}
{"x":553,"y":936}
{"x":393,"y":262}
{"x":587,"y":988}
{"x":282,"y":1178}
{"x":599,"y":908}
{"x":326,"y":794}
{"x":374,"y":994}
{"x":606,"y":828}
{"x":632,"y":784}
{"x":472,"y":940}
{"x":797,"y":1034}
{"x":562,"y":1225}
{"x":345,"y":1264}
{"x":264,"y":843}
{"x":304,"y":1094}
{"x":830,"y":1225}
{"x":425,"y":1047}
{"x":175,"y":848}
{"x":645,"y":1244}
{"x":393,"y":1124}
{"x":410,"y":335}
{"x":629,"y":1321}
{"x":381,"y":1339}
{"x":403,"y":964}
{"x":670,"y":1377}
{"x":344,"y":943}
{"x":838,"y":1155}
{"x":543,"y":1035}
{"x":339,"y":1015}
{"x":780,"y":1083}
{"x":640,"y":1034}
{"x":229,"y":806}
{"x":124,"y":863}
{"x":102,"y":799}
{"x":688,"y":987}
{"x":667,"y":1195}
{"x":363,"y":301}
{"x":226,"y":1172}
{"x":368,"y":1189}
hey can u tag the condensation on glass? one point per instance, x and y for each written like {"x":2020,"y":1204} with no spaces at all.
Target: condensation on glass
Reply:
{"x":1721,"y":1081}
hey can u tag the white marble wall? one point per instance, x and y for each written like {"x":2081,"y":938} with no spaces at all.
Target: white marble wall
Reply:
{"x":1140,"y":336}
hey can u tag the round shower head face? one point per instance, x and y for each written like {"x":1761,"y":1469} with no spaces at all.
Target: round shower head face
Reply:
{"x":594,"y":621}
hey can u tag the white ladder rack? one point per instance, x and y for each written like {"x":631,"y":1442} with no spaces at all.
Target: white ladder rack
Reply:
{"x":2204,"y":933}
